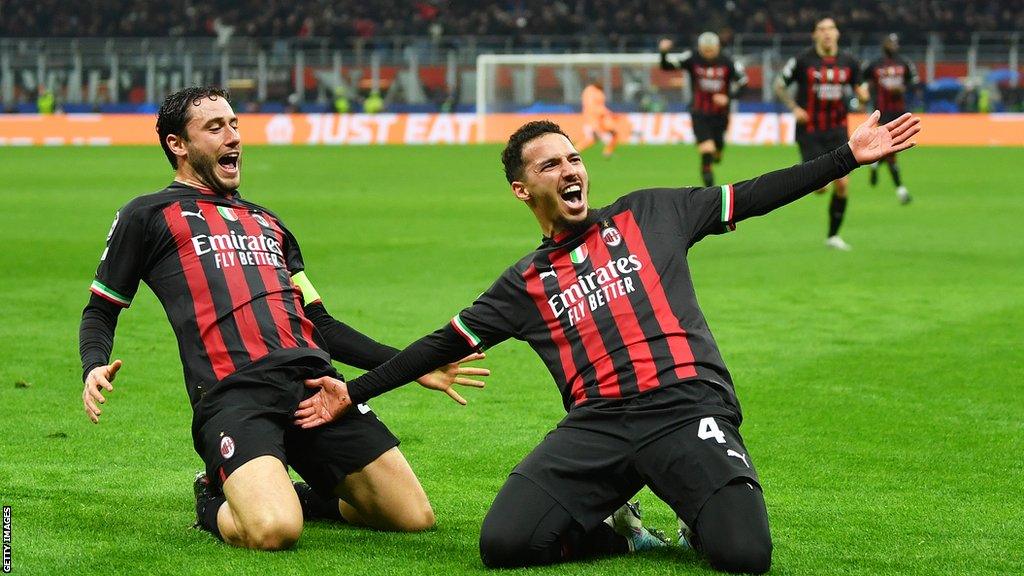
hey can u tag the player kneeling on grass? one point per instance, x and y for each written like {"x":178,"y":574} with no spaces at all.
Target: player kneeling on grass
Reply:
{"x":608,"y":304}
{"x":254,"y":340}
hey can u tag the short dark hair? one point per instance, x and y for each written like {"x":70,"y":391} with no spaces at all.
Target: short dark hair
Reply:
{"x":821,"y":19}
{"x":174,"y":114}
{"x":512,"y":155}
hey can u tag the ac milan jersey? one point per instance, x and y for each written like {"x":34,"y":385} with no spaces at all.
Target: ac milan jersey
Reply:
{"x":222,"y":268}
{"x":890,"y":79}
{"x":718,"y":75}
{"x":609,"y":306}
{"x":611,"y":310}
{"x":821,"y":83}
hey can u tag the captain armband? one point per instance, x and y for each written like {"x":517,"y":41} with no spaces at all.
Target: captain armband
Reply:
{"x":309,"y":293}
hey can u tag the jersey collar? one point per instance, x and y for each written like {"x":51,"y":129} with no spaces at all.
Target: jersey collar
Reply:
{"x":204,"y":190}
{"x":572,"y":231}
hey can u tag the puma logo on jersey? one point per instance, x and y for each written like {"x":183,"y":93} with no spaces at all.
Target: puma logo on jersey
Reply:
{"x":196,"y":214}
{"x":736,"y":454}
{"x":548,"y":273}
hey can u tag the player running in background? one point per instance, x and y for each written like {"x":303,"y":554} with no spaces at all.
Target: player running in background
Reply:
{"x":598,"y":120}
{"x":821,"y":75}
{"x":608,"y":304}
{"x":889,"y":78}
{"x":250,"y":329}
{"x":715,"y":80}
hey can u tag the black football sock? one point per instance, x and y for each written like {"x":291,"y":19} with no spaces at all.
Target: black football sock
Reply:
{"x":836,"y":211}
{"x":208,"y":519}
{"x":326,"y":509}
{"x":705,"y":169}
{"x":600,"y":541}
{"x":316,"y":507}
{"x":894,"y":169}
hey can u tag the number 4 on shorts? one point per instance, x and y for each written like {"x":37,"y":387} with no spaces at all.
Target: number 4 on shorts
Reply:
{"x":709,"y":429}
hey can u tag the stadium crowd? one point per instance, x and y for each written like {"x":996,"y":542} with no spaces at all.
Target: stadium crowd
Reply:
{"x":347,"y":19}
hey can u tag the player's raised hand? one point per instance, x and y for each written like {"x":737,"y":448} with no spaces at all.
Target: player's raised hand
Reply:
{"x":870,"y":142}
{"x":329,"y":402}
{"x":445,"y":377}
{"x":99,"y":378}
{"x":664,"y":45}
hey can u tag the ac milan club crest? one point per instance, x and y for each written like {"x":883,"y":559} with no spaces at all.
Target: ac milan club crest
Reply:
{"x":611,"y":236}
{"x":260,"y":219}
{"x":227,"y":447}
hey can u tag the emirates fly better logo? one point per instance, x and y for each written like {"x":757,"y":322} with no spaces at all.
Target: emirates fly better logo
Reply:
{"x":594,"y":290}
{"x":234,"y":249}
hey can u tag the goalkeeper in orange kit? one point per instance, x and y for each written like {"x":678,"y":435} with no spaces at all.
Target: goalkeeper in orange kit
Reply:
{"x":598,"y":120}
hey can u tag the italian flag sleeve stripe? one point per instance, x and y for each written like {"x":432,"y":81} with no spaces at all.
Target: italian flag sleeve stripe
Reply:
{"x":101,"y":290}
{"x":727,"y":207}
{"x":471,"y":338}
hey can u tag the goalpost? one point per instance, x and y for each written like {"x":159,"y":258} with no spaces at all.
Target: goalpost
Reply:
{"x":548,"y":83}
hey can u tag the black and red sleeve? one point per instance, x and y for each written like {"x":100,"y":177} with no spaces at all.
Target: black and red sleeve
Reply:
{"x":489,"y":321}
{"x":114,"y":286}
{"x":717,"y":209}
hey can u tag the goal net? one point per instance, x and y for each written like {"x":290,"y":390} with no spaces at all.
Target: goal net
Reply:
{"x":553,"y":83}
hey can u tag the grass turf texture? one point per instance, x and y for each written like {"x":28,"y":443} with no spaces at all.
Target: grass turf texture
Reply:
{"x":881,"y":387}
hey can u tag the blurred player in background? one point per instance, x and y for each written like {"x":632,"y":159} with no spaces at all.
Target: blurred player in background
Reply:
{"x":715,"y":79}
{"x":251,"y":329}
{"x":598,"y":120}
{"x":889,"y":78}
{"x":821,"y":75}
{"x":608,"y":303}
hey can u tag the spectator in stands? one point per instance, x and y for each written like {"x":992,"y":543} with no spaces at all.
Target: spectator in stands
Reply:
{"x":47,"y":102}
{"x":373,"y":104}
{"x":602,"y":21}
{"x":341,"y":103}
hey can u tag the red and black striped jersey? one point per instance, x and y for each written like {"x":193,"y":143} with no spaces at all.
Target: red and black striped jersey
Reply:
{"x":719,"y":75}
{"x":610,"y":306}
{"x":821,"y":83}
{"x":889,"y":80}
{"x":611,"y":310}
{"x":223,"y":270}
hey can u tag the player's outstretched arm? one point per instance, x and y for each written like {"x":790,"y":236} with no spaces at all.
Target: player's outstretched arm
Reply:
{"x":446,"y":376}
{"x":758,"y":196}
{"x":95,"y":342}
{"x":99,"y":378}
{"x":442,"y":347}
{"x":782,"y":93}
{"x":871,"y":142}
{"x":344,"y":343}
{"x":664,"y":45}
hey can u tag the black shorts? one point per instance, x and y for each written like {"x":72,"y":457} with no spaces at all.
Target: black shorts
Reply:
{"x":815,"y":144}
{"x":251,"y":413}
{"x":600,"y":456}
{"x":710,"y":127}
{"x":887,"y":117}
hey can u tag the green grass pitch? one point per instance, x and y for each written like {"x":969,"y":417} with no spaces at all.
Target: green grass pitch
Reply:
{"x":882,"y":388}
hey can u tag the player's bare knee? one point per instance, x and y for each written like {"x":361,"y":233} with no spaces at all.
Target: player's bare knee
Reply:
{"x":418,"y":519}
{"x":270,"y":532}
